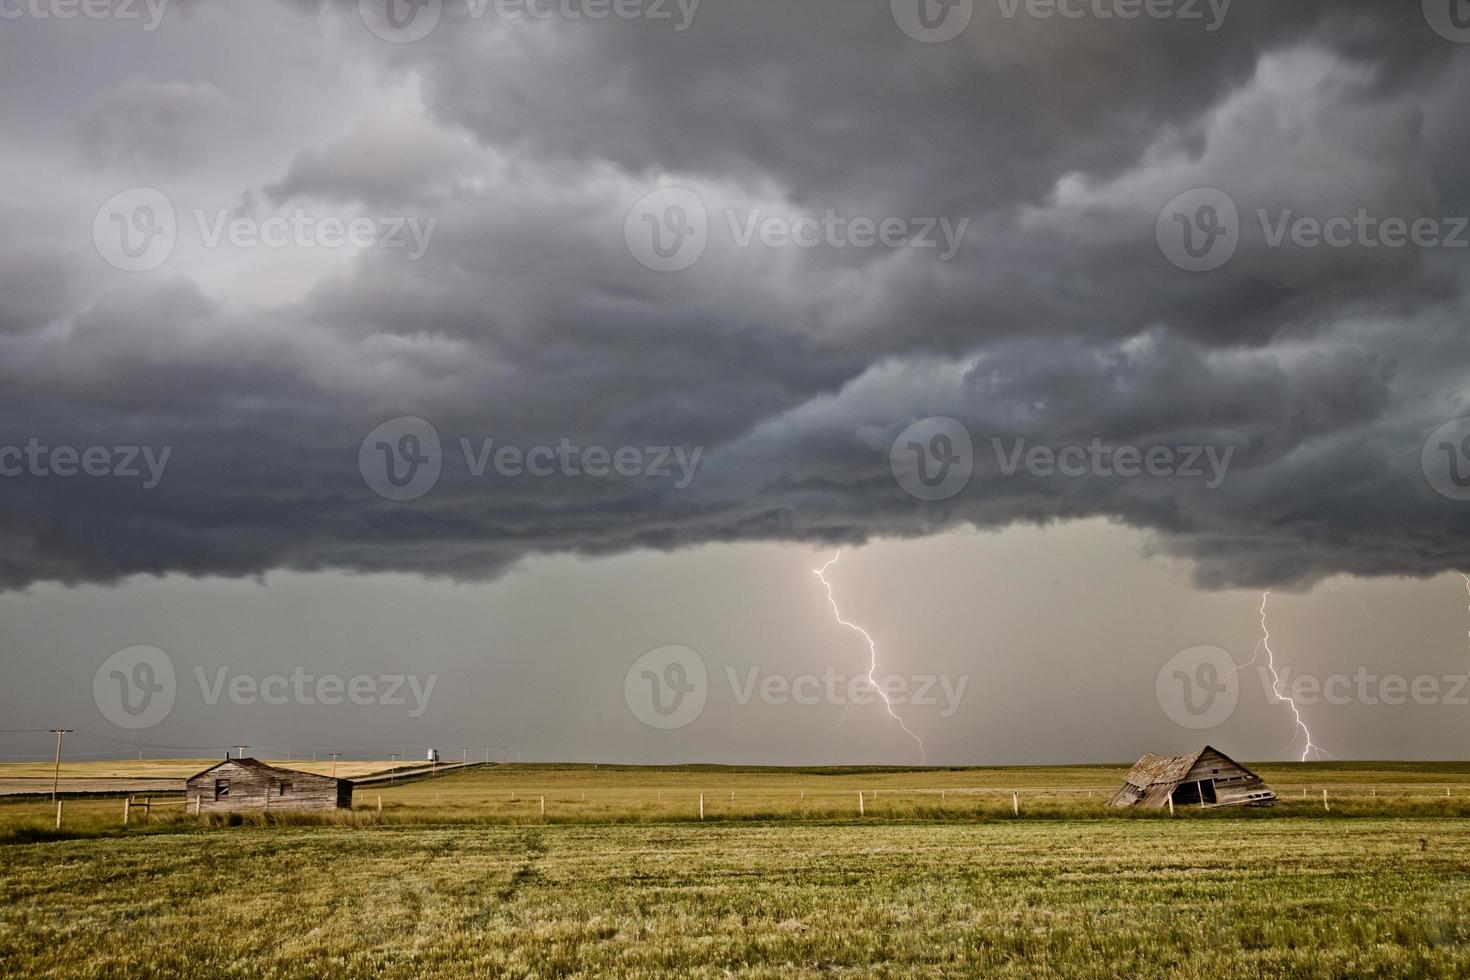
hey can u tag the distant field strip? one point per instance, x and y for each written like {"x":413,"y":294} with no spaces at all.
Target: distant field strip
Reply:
{"x":523,"y":794}
{"x":153,"y":775}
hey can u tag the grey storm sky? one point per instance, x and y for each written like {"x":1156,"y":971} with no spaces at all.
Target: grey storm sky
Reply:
{"x":528,"y":320}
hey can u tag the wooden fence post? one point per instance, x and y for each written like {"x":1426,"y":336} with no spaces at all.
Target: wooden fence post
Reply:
{"x":1325,"y":805}
{"x":127,"y":806}
{"x":1171,"y":804}
{"x":543,"y":809}
{"x":380,"y":804}
{"x":1016,"y":804}
{"x":862,"y":810}
{"x":58,"y":814}
{"x":701,"y":806}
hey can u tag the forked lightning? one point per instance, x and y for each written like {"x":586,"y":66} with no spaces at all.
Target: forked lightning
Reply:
{"x":821,"y":573}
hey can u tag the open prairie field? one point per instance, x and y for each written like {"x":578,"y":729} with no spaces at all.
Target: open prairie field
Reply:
{"x":1002,"y":871}
{"x":1311,"y":897}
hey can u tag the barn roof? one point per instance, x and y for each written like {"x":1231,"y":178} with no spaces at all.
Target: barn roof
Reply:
{"x":1152,"y":769}
{"x":1155,"y":779}
{"x":265,"y":770}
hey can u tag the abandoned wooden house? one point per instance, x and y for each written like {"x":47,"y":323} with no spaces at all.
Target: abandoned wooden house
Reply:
{"x":1209,"y":778}
{"x":247,"y":784}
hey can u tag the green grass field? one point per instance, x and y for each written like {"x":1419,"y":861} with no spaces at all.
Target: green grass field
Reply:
{"x":456,"y":879}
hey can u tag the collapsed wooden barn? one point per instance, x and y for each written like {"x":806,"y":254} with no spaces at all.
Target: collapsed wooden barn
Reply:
{"x":1208,"y":778}
{"x":237,"y":785}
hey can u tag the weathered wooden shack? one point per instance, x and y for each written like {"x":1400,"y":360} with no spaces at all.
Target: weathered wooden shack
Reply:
{"x":237,"y":785}
{"x":1208,"y":778}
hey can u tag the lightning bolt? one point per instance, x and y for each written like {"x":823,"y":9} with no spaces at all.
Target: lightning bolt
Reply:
{"x":1467,"y":593}
{"x":821,"y":573}
{"x":1265,"y":644}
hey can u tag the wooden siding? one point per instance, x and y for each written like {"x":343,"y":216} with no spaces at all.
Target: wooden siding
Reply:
{"x":254,"y":786}
{"x":1209,"y":778}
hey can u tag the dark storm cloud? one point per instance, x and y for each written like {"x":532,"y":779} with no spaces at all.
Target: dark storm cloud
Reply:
{"x":527,"y":320}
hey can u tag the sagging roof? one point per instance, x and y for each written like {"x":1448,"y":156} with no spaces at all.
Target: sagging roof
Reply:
{"x":1154,"y":769}
{"x":1155,"y":780}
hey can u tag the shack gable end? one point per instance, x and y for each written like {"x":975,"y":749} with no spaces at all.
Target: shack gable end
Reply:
{"x":1208,"y":778}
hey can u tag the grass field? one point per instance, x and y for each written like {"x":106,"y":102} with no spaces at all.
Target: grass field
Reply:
{"x":456,"y":878}
{"x":1115,"y":898}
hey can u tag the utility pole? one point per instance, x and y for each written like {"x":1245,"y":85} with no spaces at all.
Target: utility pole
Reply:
{"x":240,"y":751}
{"x":56,"y":773}
{"x":334,"y":764}
{"x":464,"y":755}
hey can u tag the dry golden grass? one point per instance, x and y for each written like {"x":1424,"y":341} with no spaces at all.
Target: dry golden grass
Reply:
{"x":1310,"y":897}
